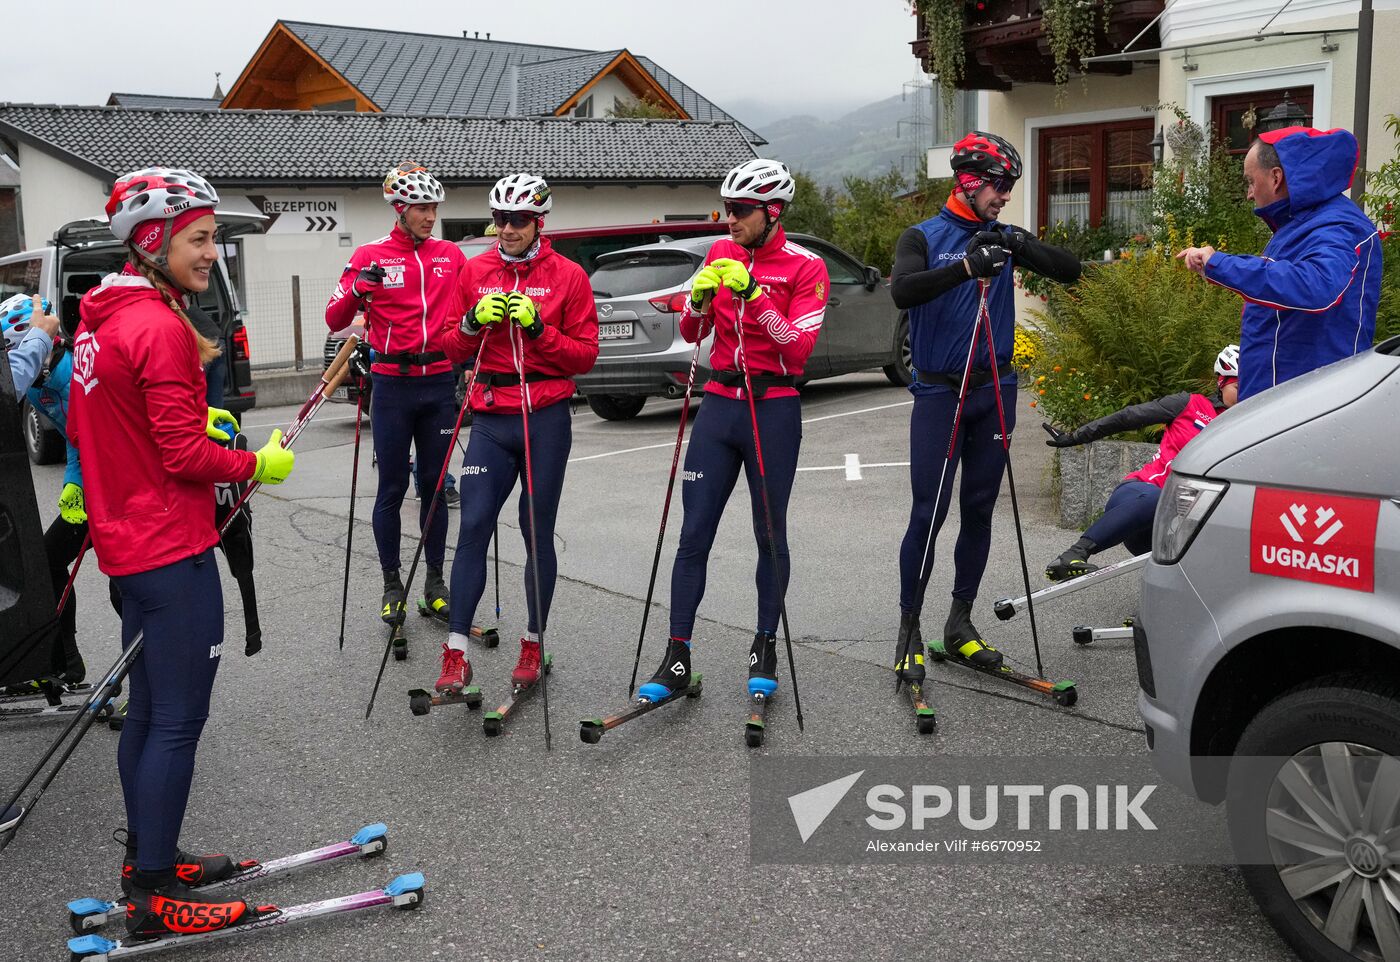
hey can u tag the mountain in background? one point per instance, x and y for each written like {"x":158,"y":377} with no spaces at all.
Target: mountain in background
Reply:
{"x":864,"y":142}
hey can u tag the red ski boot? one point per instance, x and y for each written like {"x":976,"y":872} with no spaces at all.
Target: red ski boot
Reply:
{"x":456,"y":670}
{"x":175,"y":909}
{"x":527,"y":670}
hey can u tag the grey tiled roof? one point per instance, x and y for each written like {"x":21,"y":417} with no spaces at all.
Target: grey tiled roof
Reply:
{"x":543,"y":86}
{"x":428,"y":73}
{"x":161,"y":102}
{"x":234,"y":147}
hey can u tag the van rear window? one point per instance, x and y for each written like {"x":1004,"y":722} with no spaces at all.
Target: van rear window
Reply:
{"x":643,"y":273}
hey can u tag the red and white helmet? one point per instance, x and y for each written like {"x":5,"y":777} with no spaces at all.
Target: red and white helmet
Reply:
{"x":156,"y":193}
{"x":765,"y":181}
{"x":410,"y":183}
{"x":1227,"y":362}
{"x":987,"y":156}
{"x":522,"y":192}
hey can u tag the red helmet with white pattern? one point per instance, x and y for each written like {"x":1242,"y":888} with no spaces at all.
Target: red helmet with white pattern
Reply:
{"x":986,"y":155}
{"x":156,"y":193}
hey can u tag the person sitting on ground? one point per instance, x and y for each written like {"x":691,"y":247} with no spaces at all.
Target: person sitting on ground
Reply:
{"x":1127,"y":518}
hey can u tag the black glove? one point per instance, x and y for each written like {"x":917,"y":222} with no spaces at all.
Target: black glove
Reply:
{"x":986,"y":238}
{"x":985,"y":262}
{"x":1014,"y":240}
{"x":360,"y":360}
{"x":368,"y":281}
{"x":1058,"y":438}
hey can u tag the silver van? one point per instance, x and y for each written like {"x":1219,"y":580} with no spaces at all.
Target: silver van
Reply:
{"x":1269,"y":628}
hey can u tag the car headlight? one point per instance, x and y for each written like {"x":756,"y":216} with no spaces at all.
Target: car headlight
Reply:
{"x":1185,"y":504}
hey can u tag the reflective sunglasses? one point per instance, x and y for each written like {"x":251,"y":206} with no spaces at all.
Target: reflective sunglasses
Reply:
{"x":515,"y":218}
{"x":739,"y":209}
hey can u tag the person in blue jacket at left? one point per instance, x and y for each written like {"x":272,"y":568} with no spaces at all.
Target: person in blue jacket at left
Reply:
{"x":1311,"y":297}
{"x":29,"y":338}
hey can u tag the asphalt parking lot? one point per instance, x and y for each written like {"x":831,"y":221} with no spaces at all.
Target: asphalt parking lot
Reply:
{"x":637,"y":847}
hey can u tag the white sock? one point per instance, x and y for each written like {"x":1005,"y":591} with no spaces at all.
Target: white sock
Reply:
{"x":533,"y":636}
{"x":457,"y":640}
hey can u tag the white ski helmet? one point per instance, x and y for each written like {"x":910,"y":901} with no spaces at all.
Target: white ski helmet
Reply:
{"x":16,"y":313}
{"x":522,"y":192}
{"x":765,"y":181}
{"x":1227,"y":362}
{"x":156,"y":193}
{"x":410,"y":183}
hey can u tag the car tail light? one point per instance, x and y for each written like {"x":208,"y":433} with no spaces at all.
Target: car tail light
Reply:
{"x":241,"y":351}
{"x":670,"y":305}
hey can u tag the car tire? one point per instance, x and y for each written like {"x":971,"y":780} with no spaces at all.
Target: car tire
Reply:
{"x":616,"y":407}
{"x":899,"y":371}
{"x":43,"y":443}
{"x":1352,"y":717}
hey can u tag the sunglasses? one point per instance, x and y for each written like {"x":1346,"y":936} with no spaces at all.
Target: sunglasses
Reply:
{"x":740,"y":210}
{"x":515,"y":218}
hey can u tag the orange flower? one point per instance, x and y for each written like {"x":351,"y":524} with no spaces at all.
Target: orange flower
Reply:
{"x":1086,"y":397}
{"x":1042,"y":390}
{"x":1057,"y":369}
{"x":1032,"y":404}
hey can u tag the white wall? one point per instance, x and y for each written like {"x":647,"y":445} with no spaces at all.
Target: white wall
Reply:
{"x":52,"y":193}
{"x":603,"y":94}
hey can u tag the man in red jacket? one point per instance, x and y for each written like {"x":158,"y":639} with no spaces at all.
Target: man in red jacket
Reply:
{"x":406,"y":285}
{"x":529,"y":311}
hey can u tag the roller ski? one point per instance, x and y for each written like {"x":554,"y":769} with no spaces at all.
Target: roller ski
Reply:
{"x":435,"y":604}
{"x":672,"y":680}
{"x":160,"y":921}
{"x":207,"y":874}
{"x":50,"y":698}
{"x":453,"y":686}
{"x":51,"y":690}
{"x":763,"y":683}
{"x":1007,"y":608}
{"x":962,"y":644}
{"x":1073,"y":563}
{"x":909,"y":669}
{"x":526,"y":677}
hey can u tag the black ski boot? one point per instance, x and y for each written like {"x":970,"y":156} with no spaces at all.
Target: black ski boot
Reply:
{"x":395,"y":598}
{"x":435,"y":596}
{"x":909,"y":649}
{"x":961,"y":639}
{"x":159,"y":906}
{"x":1074,"y":562}
{"x":763,"y":664}
{"x":190,"y":870}
{"x":672,"y":676}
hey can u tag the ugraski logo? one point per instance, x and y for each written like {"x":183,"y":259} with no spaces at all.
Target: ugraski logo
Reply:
{"x":84,"y":359}
{"x":1310,"y":536}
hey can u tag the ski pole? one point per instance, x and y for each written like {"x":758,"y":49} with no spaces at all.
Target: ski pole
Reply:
{"x":432,"y":510}
{"x":73,"y":575}
{"x":517,"y":350}
{"x":331,"y":379}
{"x":767,"y":506}
{"x":82,"y":720}
{"x":665,"y":512}
{"x":984,"y":318}
{"x":350,"y":528}
{"x":925,"y":563}
{"x":496,"y":551}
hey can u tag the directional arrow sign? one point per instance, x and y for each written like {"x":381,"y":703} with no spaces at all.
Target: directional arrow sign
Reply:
{"x":320,"y":224}
{"x":305,"y":213}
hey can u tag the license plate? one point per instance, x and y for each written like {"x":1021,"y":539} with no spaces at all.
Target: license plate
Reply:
{"x":615,"y":330}
{"x":341,"y":393}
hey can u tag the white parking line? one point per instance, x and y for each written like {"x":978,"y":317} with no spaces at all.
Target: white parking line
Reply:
{"x":853,"y":467}
{"x":824,"y":417}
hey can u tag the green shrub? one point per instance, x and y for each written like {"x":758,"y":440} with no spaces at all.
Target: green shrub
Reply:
{"x":1200,"y":191}
{"x":1087,"y":243}
{"x":1130,"y":331}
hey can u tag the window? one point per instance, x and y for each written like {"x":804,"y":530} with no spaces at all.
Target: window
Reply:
{"x":460,"y":230}
{"x":20,"y":277}
{"x":950,"y":126}
{"x":231,"y":252}
{"x":584,"y":107}
{"x":840,"y":269}
{"x":643,"y":273}
{"x":1096,"y":173}
{"x":1236,"y":117}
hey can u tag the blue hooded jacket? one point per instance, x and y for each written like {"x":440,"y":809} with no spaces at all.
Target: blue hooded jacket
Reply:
{"x":1311,"y":298}
{"x":51,"y":397}
{"x":940,"y":331}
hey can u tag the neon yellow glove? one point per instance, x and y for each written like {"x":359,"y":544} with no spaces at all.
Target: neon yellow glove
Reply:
{"x":524,"y":313}
{"x":489,"y":310}
{"x":702,"y":289}
{"x":214,"y":424}
{"x":274,"y":461}
{"x":70,"y":504}
{"x":736,"y":277}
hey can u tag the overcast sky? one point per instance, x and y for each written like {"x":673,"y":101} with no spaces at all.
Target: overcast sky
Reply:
{"x":760,"y":60}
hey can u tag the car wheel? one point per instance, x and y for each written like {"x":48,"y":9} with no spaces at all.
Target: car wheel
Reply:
{"x":43,"y":443}
{"x":616,"y":407}
{"x":900,"y":371}
{"x":1318,"y":813}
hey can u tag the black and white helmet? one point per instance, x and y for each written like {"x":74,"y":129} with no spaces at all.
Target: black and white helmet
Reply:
{"x":522,"y":192}
{"x":410,"y":183}
{"x":765,"y":181}
{"x":1227,"y":362}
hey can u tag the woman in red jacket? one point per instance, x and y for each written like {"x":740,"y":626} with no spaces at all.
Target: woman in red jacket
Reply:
{"x":528,"y":310}
{"x":148,"y":478}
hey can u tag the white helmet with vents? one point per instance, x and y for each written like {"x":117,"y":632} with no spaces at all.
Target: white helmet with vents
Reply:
{"x":765,"y":181}
{"x":522,"y":192}
{"x":1227,"y":362}
{"x":410,"y":183}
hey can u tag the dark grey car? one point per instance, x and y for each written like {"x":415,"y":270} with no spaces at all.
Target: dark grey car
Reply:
{"x":641,"y":291}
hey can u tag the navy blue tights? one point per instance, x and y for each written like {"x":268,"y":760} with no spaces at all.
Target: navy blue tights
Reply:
{"x":180,"y":607}
{"x":1127,"y":518}
{"x":417,"y":411}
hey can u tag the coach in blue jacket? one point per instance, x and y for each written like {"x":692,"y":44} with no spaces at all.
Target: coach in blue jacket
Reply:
{"x":1311,"y":298}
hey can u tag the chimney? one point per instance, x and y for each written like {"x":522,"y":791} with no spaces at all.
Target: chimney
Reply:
{"x":464,"y":35}
{"x":488,"y":35}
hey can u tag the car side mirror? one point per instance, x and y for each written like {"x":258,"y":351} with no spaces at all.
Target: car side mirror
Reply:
{"x":872,"y":278}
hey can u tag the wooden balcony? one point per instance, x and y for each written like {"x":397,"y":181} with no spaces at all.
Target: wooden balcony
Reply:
{"x":1005,"y":43}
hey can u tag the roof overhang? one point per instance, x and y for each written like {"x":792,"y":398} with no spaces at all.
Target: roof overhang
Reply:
{"x":1150,"y":55}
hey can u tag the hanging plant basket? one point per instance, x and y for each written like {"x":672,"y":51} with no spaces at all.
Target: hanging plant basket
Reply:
{"x":944,"y":20}
{"x":1071,"y":31}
